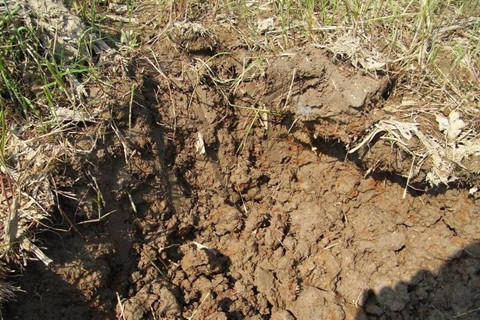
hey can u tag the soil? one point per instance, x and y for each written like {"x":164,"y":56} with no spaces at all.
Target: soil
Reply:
{"x":272,"y":221}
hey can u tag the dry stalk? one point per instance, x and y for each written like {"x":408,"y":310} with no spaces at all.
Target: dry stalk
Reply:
{"x":11,"y":221}
{"x":62,"y":213}
{"x":172,"y":101}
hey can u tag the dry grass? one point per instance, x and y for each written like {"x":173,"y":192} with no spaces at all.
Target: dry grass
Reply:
{"x":42,"y":98}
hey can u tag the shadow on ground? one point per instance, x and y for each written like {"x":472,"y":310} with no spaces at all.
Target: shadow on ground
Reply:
{"x":78,"y":285}
{"x":453,"y":292}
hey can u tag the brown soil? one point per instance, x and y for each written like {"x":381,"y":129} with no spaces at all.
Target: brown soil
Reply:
{"x":273,"y":221}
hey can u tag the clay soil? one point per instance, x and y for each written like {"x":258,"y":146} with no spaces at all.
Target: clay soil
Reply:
{"x":272,"y":221}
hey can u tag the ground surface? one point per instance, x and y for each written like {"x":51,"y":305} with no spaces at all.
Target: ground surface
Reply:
{"x":273,"y":220}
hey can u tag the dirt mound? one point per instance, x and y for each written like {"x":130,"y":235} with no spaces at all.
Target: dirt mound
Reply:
{"x":223,"y":203}
{"x":217,"y":186}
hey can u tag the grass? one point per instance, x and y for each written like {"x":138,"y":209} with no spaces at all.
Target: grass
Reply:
{"x":36,"y":80}
{"x":428,"y":45}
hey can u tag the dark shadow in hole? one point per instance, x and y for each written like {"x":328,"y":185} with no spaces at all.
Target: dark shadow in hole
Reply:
{"x":173,"y":179}
{"x":338,"y":150}
{"x":226,"y":305}
{"x":218,"y":261}
{"x":47,"y":295}
{"x":91,"y":262}
{"x":45,"y":298}
{"x":451,"y":293}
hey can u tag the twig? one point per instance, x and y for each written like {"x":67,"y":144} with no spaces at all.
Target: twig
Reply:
{"x":71,"y":225}
{"x":201,"y":303}
{"x":122,"y":309}
{"x":172,"y":102}
{"x":410,"y":173}
{"x":293,"y":123}
{"x":290,"y":88}
{"x":97,"y":219}
{"x":465,"y":313}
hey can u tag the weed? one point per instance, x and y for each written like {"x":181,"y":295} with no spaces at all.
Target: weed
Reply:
{"x":247,"y":72}
{"x":24,"y":60}
{"x":3,"y":133}
{"x":284,"y":9}
{"x":260,"y":113}
{"x":129,"y":38}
